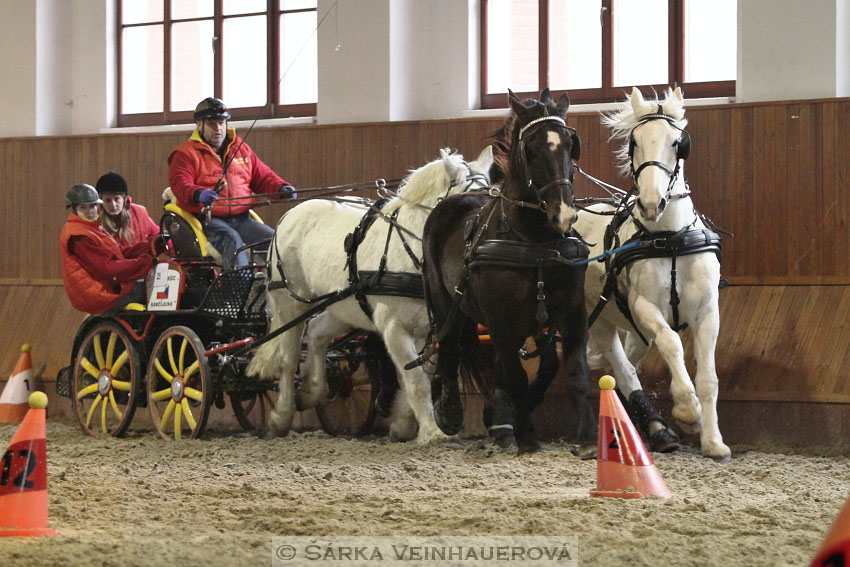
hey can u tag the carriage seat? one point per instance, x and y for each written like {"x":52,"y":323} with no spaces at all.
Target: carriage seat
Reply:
{"x":186,"y":232}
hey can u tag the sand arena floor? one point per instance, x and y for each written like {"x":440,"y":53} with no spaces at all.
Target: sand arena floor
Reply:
{"x":220,"y":500}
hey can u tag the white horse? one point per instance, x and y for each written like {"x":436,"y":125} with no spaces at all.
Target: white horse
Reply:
{"x":655,"y":146}
{"x":309,"y":242}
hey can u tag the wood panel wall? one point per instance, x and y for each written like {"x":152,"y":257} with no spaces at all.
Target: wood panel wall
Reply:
{"x":774,"y":174}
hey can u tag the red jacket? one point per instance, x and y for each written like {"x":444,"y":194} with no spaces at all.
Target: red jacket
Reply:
{"x":144,"y":227}
{"x":194,"y":165}
{"x":94,"y":272}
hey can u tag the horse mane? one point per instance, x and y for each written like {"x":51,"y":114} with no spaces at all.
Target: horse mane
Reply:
{"x":431,"y":180}
{"x":623,"y":120}
{"x":501,"y":141}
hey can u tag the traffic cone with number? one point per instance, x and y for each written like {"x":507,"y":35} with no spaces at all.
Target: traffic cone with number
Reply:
{"x":835,"y":549}
{"x":23,"y":476}
{"x":13,"y":401}
{"x":624,"y":468}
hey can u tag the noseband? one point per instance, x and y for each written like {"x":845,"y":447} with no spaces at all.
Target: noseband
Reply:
{"x":533,"y":127}
{"x":683,"y":148}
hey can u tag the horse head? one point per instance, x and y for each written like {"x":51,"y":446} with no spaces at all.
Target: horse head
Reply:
{"x":540,"y":161}
{"x":449,"y":174}
{"x":656,"y":149}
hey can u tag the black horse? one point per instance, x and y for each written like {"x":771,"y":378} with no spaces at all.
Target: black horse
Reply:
{"x":505,"y":259}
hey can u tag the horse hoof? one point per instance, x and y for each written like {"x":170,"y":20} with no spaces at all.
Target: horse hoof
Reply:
{"x":586,"y":452}
{"x":664,"y":441}
{"x":690,"y":428}
{"x":505,"y":442}
{"x":721,"y":458}
{"x":451,"y":424}
{"x":528,"y":446}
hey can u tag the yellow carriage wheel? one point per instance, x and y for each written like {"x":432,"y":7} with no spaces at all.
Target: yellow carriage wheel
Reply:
{"x":107,"y":371}
{"x":179,"y":386}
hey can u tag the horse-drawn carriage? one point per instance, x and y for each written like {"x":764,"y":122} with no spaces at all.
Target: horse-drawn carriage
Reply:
{"x":187,"y":348}
{"x":508,"y":257}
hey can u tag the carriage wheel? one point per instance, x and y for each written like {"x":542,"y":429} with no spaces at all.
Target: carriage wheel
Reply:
{"x":179,"y":385}
{"x":252,"y":410}
{"x":354,"y":389}
{"x":106,"y":379}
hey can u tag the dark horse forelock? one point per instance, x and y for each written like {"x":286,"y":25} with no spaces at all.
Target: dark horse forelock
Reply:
{"x":501,"y":142}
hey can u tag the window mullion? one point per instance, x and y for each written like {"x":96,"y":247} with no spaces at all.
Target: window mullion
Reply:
{"x":607,"y":17}
{"x":166,"y":64}
{"x":675,"y":42}
{"x":218,"y":56}
{"x":542,"y":44}
{"x":273,"y":56}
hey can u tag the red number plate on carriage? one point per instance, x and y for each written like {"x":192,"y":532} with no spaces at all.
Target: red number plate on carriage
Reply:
{"x":621,"y":444}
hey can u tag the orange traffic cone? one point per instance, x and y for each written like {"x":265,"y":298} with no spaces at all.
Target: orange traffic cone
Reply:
{"x":23,"y":476}
{"x":13,"y":401}
{"x":835,"y":549}
{"x":624,"y":468}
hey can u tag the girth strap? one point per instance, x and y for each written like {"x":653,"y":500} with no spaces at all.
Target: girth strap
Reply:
{"x":352,"y":243}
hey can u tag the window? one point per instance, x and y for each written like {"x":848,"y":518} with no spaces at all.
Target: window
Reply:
{"x":259,"y":56}
{"x":598,"y":49}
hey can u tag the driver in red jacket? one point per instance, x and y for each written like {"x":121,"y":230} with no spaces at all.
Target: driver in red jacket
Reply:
{"x":214,"y":163}
{"x":98,"y":278}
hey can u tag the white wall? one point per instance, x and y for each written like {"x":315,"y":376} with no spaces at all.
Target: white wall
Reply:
{"x":18,"y":67}
{"x":54,"y":72}
{"x":842,"y":48}
{"x":789,"y":49}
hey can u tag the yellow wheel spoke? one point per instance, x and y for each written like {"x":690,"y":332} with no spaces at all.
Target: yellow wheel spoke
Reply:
{"x":191,"y":370}
{"x":190,"y":419}
{"x":91,"y":388}
{"x":196,"y":395}
{"x":95,"y":372}
{"x":174,"y":368}
{"x":114,"y":405}
{"x":110,"y":349}
{"x":119,"y":362}
{"x":93,"y":407}
{"x":183,"y":353}
{"x":98,"y":352}
{"x":103,"y":417}
{"x":121,"y":385}
{"x":178,"y":413}
{"x":161,"y":395}
{"x":166,"y":415}
{"x":162,"y":372}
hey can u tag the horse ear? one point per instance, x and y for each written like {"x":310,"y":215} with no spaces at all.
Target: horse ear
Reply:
{"x":678,"y":95}
{"x":563,"y":104}
{"x":546,"y":97}
{"x":515,"y":103}
{"x":483,"y":162}
{"x":450,"y":162}
{"x":637,"y":101}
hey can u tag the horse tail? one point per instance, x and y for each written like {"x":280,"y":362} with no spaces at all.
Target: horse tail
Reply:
{"x":476,"y":363}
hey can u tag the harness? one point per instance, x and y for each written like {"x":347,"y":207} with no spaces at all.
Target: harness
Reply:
{"x":664,"y":244}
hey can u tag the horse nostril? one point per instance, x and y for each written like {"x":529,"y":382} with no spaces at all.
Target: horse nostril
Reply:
{"x":662,"y":205}
{"x":640,"y":205}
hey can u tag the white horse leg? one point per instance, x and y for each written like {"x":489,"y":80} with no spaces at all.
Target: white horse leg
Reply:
{"x":635,"y":347}
{"x":321,"y":331}
{"x":705,"y":340}
{"x":607,"y":341}
{"x":686,"y":406}
{"x":279,"y":358}
{"x":413,"y":403}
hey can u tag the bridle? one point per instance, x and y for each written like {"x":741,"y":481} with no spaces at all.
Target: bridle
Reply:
{"x":532,"y":128}
{"x":683,"y":150}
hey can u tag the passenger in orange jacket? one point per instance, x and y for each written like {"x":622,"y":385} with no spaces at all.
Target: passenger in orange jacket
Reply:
{"x":127,"y":222}
{"x":215,"y":163}
{"x":98,"y":278}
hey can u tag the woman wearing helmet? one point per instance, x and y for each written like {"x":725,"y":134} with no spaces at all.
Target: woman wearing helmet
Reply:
{"x":97,"y":276}
{"x":128,"y":223}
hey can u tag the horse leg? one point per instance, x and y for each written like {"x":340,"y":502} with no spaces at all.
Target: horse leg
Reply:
{"x":574,"y":349}
{"x":661,"y":437}
{"x":511,"y":423}
{"x":705,"y":332}
{"x":321,"y":331}
{"x":448,"y":408}
{"x":546,"y":372}
{"x":686,"y":405}
{"x":280,"y":358}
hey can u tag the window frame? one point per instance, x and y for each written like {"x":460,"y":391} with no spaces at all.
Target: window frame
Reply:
{"x":607,"y":92}
{"x":272,"y":109}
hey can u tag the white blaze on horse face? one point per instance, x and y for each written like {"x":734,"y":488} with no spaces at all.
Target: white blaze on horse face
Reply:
{"x":554,"y":140}
{"x":566,"y":217}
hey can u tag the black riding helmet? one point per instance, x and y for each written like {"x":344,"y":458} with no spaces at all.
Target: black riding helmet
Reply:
{"x":111,"y":184}
{"x":211,"y":108}
{"x":81,"y":194}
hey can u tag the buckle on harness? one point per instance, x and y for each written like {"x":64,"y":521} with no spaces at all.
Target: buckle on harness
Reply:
{"x":659,"y":243}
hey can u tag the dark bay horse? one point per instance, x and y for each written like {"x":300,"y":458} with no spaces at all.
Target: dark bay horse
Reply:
{"x":504,"y":259}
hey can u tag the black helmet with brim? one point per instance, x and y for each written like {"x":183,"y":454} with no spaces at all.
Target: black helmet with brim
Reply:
{"x":211,"y":108}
